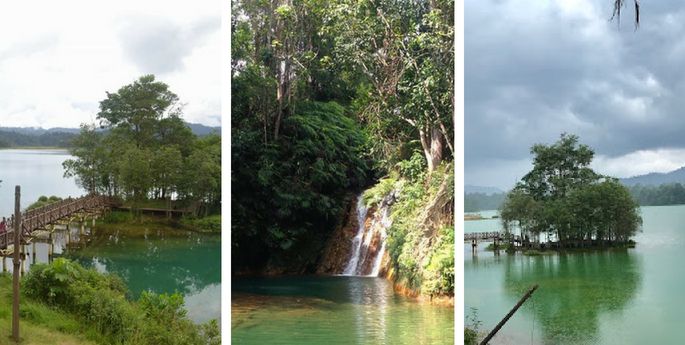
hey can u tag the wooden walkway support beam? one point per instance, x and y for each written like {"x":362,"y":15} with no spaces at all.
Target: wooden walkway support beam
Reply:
{"x":509,"y":315}
{"x":16,"y":263}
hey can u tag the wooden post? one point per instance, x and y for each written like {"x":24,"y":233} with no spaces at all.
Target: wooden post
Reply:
{"x":15,"y":262}
{"x":506,"y":318}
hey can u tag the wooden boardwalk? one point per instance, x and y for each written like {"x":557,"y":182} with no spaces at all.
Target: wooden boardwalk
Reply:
{"x":61,"y":211}
{"x":483,"y":236}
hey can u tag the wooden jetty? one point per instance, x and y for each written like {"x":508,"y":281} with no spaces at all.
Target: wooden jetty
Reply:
{"x":490,"y":236}
{"x":38,"y":224}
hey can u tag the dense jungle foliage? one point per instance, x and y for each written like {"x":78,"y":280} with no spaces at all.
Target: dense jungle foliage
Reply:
{"x":328,"y":96}
{"x":146,"y":151}
{"x":421,"y":237}
{"x":562,"y":198}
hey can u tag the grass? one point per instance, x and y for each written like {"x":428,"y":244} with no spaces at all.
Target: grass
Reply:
{"x":115,"y":220}
{"x":39,"y":324}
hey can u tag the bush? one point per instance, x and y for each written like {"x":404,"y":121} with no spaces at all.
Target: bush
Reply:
{"x":205,"y":224}
{"x":44,"y":201}
{"x":116,"y":217}
{"x":99,"y":301}
{"x":414,"y":168}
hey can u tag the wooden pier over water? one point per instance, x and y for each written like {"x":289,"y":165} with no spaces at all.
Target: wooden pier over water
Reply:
{"x":40,"y":222}
{"x":489,"y":236}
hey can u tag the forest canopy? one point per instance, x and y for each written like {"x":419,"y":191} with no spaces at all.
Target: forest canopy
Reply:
{"x":328,"y":96}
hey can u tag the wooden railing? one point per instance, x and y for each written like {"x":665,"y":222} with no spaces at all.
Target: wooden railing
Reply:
{"x":488,"y":236}
{"x":480,"y":236}
{"x":41,"y":217}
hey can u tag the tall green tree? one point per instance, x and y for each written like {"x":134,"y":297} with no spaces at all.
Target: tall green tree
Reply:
{"x":405,"y":51}
{"x":135,"y":110}
{"x":563,"y":198}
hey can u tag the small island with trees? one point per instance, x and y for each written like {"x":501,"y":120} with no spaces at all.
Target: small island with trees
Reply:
{"x":562,"y":203}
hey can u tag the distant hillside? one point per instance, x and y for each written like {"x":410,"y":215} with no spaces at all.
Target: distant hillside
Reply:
{"x":45,"y":138}
{"x":471,"y":189}
{"x":60,"y":137}
{"x":655,"y":179}
{"x":202,"y":130}
{"x":475,"y":202}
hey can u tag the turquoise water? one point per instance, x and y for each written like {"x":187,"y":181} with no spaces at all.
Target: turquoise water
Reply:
{"x":162,"y":260}
{"x":626,"y":296}
{"x":333,"y":310}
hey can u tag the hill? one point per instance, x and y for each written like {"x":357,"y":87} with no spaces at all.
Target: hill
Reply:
{"x":655,"y":179}
{"x":61,"y":137}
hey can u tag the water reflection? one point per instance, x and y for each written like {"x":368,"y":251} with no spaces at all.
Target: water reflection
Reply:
{"x":333,"y":310}
{"x":575,"y":291}
{"x":163,"y":261}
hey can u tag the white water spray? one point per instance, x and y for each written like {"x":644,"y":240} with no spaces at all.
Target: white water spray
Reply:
{"x":362,"y":259}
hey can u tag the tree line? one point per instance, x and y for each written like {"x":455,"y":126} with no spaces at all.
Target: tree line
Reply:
{"x":563,"y":200}
{"x":474,"y":202}
{"x":10,"y":138}
{"x":664,"y":194}
{"x":141,"y":149}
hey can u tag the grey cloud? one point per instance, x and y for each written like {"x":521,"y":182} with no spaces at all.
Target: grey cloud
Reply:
{"x":159,"y":46}
{"x":533,"y":74}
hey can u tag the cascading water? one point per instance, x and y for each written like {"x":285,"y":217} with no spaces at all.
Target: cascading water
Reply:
{"x":351,"y":268}
{"x":368,"y":245}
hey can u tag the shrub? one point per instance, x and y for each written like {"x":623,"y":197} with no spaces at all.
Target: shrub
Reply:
{"x":99,"y":302}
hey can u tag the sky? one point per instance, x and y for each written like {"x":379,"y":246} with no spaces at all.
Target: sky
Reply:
{"x":535,"y":69}
{"x":59,"y":58}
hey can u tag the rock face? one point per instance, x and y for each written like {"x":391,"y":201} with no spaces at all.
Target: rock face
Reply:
{"x":338,"y":249}
{"x":357,"y":247}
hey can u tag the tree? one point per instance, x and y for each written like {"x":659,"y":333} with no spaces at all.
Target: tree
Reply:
{"x":561,"y":197}
{"x":135,"y":109}
{"x":135,"y":174}
{"x":167,"y":169}
{"x":405,"y":52}
{"x":558,"y":168}
{"x":87,"y":167}
{"x":619,"y":4}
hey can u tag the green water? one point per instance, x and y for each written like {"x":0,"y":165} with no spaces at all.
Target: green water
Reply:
{"x":333,"y":310}
{"x":629,"y":296}
{"x":162,"y":260}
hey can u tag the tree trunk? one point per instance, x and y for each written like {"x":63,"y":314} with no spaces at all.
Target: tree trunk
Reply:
{"x":432,"y":142}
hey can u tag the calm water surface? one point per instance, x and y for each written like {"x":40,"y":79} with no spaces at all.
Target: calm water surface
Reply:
{"x":629,"y":296}
{"x":162,"y":260}
{"x":39,"y":172}
{"x":333,"y":310}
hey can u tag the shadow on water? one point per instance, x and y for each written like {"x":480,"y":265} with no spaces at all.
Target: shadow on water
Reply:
{"x":575,"y":290}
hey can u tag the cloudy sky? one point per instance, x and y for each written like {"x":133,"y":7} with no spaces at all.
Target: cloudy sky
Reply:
{"x":57,"y":58}
{"x":535,"y":69}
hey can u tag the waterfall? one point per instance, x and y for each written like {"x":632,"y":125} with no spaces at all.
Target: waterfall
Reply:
{"x":368,"y":245}
{"x":351,"y":268}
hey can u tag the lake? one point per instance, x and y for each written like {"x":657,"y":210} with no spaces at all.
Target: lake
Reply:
{"x":621,"y":296}
{"x":163,"y":260}
{"x":302,"y":310}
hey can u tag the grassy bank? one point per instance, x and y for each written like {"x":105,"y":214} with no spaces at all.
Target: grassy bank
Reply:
{"x":64,"y":303}
{"x":137,"y":225}
{"x":421,"y":238}
{"x":39,"y":323}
